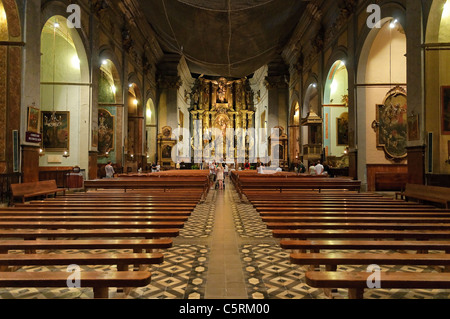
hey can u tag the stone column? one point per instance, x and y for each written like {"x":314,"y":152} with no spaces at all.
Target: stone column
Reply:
{"x":95,"y":73}
{"x":351,"y":65}
{"x":168,"y":84}
{"x":277,"y":85}
{"x":416,"y":90}
{"x":30,"y":87}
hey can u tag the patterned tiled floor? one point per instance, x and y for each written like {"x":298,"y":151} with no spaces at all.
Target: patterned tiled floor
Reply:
{"x":268,"y":273}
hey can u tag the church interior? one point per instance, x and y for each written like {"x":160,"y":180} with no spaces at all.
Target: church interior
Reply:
{"x":224,"y":149}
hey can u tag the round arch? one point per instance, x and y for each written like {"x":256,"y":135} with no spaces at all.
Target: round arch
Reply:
{"x":64,"y":64}
{"x":437,"y":81}
{"x":335,"y":103}
{"x":381,"y":66}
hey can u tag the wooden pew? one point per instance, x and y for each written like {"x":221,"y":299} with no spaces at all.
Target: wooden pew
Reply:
{"x":69,"y":212}
{"x":356,"y":282}
{"x":368,"y":225}
{"x":361,"y":213}
{"x":99,"y":281}
{"x":71,"y":218}
{"x":34,"y":189}
{"x":163,"y":184}
{"x":345,"y":209}
{"x":284,"y":184}
{"x":418,"y":245}
{"x":121,"y":260}
{"x":427,"y":193}
{"x":112,"y":204}
{"x":136,"y":244}
{"x":347,"y":219}
{"x":120,"y":208}
{"x":333,"y":260}
{"x":88,"y":225}
{"x":305,"y":234}
{"x":31,"y":234}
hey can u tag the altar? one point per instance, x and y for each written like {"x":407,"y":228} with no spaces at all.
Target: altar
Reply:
{"x":222,"y":113}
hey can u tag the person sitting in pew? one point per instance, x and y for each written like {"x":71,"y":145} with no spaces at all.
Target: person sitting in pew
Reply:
{"x":319,"y":168}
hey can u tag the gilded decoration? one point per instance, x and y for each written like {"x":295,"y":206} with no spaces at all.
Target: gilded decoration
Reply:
{"x":219,"y":107}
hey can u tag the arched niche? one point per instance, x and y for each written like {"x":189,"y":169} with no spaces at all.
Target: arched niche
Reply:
{"x":311,"y":123}
{"x":64,"y":94}
{"x":335,"y":102}
{"x":381,"y":68}
{"x":135,"y":126}
{"x":294,"y":132}
{"x":110,"y":112}
{"x":151,"y":131}
{"x":437,"y":83}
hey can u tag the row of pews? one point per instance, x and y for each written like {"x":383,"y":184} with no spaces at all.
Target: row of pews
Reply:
{"x":135,"y":228}
{"x":244,"y":181}
{"x":328,"y":229}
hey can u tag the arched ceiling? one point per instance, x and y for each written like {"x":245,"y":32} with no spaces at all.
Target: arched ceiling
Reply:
{"x":231,"y":38}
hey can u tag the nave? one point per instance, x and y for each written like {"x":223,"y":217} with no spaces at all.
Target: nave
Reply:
{"x":226,"y":251}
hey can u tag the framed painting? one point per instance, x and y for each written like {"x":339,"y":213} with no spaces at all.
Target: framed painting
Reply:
{"x":55,"y":130}
{"x":342,"y":130}
{"x":445,"y":112}
{"x":413,"y":128}
{"x":106,"y":136}
{"x":33,"y":119}
{"x":391,"y":124}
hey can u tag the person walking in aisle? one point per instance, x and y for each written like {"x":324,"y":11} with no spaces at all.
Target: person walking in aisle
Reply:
{"x":219,"y":173}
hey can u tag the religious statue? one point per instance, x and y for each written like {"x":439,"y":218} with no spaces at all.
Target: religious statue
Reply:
{"x":222,"y":92}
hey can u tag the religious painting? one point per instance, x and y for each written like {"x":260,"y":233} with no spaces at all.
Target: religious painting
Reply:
{"x":413,"y":128}
{"x":445,"y":115}
{"x":105,"y":132}
{"x":33,"y":119}
{"x":342,"y":130}
{"x":166,"y":132}
{"x":55,"y":130}
{"x":167,"y":151}
{"x":391,"y":124}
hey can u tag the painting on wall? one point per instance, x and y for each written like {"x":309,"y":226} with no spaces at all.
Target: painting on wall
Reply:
{"x":105,"y":132}
{"x":167,"y":152}
{"x":413,"y":128}
{"x":33,"y":119}
{"x":342,"y":130}
{"x":55,"y":130}
{"x":445,"y":115}
{"x":391,"y":124}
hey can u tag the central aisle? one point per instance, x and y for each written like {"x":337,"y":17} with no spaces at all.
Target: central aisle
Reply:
{"x":225,"y":277}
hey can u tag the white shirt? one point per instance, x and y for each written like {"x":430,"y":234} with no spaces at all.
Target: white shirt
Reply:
{"x":319,"y":169}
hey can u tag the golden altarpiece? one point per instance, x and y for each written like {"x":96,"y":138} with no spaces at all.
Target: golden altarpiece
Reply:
{"x":221,"y":107}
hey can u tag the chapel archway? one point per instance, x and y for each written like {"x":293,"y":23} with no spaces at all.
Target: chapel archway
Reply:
{"x":437,"y":89}
{"x":335,"y":116}
{"x":381,"y":102}
{"x":135,"y":140}
{"x":294,"y":133}
{"x":110,"y":113}
{"x":311,"y":125}
{"x":64,"y":96}
{"x":151,"y":131}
